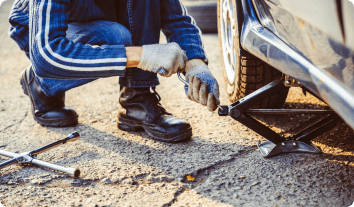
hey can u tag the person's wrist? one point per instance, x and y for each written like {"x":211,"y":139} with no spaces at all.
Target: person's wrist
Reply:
{"x":134,"y":55}
{"x":192,"y":63}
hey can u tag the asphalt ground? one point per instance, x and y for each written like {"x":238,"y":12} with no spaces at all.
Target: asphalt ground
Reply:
{"x":220,"y":166}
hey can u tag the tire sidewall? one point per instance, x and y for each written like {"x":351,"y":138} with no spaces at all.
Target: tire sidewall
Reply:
{"x":231,"y":88}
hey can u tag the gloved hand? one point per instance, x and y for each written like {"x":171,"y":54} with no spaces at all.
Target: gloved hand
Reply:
{"x":203,"y":87}
{"x":164,"y":59}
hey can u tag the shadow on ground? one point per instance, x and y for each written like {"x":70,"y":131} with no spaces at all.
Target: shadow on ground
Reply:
{"x":244,"y":174}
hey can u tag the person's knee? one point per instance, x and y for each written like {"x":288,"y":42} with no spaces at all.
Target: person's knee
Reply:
{"x":117,"y":34}
{"x":99,"y":33}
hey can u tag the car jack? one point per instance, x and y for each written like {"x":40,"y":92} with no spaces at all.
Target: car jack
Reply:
{"x":30,"y":157}
{"x":276,"y":144}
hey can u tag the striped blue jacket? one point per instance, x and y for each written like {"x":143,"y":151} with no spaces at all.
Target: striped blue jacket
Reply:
{"x":39,"y":28}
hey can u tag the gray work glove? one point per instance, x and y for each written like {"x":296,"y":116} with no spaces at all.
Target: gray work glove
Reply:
{"x":164,"y":59}
{"x":203,"y":87}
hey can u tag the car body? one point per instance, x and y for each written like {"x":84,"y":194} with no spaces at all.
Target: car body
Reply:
{"x":310,"y":41}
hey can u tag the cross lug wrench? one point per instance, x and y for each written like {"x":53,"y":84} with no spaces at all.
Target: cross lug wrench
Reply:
{"x":30,"y":157}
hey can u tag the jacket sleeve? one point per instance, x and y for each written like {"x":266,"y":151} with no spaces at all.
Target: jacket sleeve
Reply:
{"x":181,"y":28}
{"x":18,"y":20}
{"x":59,"y":56}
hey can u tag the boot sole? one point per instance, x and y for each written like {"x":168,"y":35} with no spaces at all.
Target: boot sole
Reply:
{"x":132,"y":126}
{"x":45,"y":122}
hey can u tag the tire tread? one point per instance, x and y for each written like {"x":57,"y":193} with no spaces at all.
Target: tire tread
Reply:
{"x":255,"y":74}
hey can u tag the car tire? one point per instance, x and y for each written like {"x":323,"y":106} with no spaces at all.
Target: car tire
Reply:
{"x":243,"y":72}
{"x":204,"y":14}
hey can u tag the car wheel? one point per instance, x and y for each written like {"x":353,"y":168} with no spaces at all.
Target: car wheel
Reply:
{"x":243,"y":72}
{"x":204,"y":14}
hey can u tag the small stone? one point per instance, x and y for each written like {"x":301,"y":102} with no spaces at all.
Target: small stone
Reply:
{"x":292,"y":195}
{"x":107,"y":181}
{"x":128,"y":181}
{"x":255,"y":183}
{"x":242,"y":177}
{"x":180,"y":179}
{"x":238,"y":188}
{"x":43,"y":176}
{"x":159,"y":178}
{"x":11,"y":182}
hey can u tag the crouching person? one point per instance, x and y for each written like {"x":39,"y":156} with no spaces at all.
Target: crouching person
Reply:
{"x":71,"y":43}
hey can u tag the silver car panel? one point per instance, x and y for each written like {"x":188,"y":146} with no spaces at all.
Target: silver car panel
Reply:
{"x":330,"y":80}
{"x":348,"y":19}
{"x":308,"y":40}
{"x":323,"y":14}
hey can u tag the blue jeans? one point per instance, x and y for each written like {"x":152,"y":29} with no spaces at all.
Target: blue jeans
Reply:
{"x":98,"y":33}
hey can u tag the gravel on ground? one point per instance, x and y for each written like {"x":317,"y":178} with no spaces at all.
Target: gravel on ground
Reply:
{"x":220,"y":166}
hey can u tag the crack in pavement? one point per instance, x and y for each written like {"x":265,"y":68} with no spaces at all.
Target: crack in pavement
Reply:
{"x":203,"y":173}
{"x":174,"y":200}
{"x":18,"y":122}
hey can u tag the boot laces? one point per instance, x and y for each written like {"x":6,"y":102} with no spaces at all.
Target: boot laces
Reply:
{"x":156,"y":94}
{"x":159,"y":108}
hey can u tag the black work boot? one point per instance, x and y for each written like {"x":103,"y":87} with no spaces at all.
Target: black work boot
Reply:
{"x":47,"y":111}
{"x":141,"y":109}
